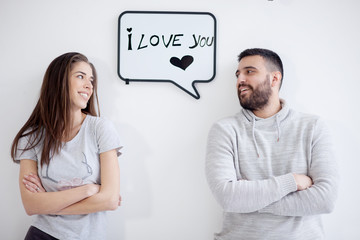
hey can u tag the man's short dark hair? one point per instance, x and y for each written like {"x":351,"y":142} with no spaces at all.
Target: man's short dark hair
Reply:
{"x":273,"y":60}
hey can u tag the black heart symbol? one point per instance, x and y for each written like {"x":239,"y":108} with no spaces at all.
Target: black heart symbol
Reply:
{"x":129,"y":29}
{"x":183,"y":63}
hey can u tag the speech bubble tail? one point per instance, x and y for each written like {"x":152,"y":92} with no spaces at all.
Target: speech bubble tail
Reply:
{"x":189,"y":89}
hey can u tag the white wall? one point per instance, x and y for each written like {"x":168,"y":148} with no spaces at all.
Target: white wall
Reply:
{"x":165,"y":195}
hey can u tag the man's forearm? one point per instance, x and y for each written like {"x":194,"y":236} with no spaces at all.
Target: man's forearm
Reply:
{"x":315,"y":200}
{"x":244,"y":196}
{"x":320,"y":197}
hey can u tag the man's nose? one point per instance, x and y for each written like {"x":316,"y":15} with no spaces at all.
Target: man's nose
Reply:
{"x":241,"y":79}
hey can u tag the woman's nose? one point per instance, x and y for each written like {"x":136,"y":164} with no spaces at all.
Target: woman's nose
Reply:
{"x":88,"y":84}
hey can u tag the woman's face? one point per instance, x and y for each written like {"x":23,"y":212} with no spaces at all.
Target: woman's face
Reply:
{"x":81,"y":85}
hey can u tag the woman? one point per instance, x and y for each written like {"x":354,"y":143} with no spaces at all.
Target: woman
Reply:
{"x":65,"y":151}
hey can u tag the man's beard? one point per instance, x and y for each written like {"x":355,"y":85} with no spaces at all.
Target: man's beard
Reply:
{"x":259,"y":97}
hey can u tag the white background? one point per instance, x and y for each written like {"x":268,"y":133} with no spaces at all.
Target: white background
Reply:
{"x":165,"y":195}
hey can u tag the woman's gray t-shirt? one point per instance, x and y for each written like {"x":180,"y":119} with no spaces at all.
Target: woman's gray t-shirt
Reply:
{"x":78,"y":163}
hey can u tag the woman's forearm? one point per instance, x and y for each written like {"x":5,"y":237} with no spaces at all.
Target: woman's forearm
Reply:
{"x":53,"y":202}
{"x":108,"y":196}
{"x":49,"y":202}
{"x":96,"y":203}
{"x":80,"y":200}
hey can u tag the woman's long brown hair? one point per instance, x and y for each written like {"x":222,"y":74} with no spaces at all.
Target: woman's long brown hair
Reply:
{"x":50,"y":121}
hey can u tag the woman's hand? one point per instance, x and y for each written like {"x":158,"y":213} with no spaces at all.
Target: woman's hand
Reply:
{"x":33,"y":183}
{"x":48,"y":202}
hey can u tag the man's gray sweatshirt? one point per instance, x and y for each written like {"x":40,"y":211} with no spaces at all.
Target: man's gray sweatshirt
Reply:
{"x":249,"y":166}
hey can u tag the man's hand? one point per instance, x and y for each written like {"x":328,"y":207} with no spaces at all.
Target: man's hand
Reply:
{"x":302,"y":181}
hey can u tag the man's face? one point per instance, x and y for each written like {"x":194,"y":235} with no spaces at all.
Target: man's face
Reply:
{"x":253,"y":83}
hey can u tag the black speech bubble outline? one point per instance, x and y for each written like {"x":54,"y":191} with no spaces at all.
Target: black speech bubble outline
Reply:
{"x":127,"y":80}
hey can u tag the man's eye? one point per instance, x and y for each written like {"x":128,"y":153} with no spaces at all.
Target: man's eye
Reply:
{"x":250,"y":71}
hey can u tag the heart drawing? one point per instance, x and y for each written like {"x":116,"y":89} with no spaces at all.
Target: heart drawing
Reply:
{"x":185,"y":61}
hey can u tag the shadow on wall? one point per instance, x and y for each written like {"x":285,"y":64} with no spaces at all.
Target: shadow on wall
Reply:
{"x":135,"y":188}
{"x":134,"y":174}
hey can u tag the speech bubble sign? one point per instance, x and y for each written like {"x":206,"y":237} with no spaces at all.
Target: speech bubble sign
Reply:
{"x":176,"y":47}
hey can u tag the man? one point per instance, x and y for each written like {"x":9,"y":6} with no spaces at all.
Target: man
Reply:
{"x":270,"y":168}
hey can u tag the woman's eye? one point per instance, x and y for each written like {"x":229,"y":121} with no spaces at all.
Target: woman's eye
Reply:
{"x":80,"y":76}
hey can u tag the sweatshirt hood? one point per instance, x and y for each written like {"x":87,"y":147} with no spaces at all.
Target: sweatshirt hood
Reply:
{"x":276,"y":119}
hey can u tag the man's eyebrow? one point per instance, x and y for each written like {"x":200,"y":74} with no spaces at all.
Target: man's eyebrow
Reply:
{"x":249,"y":67}
{"x":245,"y":68}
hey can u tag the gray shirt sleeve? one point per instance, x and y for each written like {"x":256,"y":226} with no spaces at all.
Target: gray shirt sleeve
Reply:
{"x":21,"y":153}
{"x":320,"y":197}
{"x":233,"y":193}
{"x":107,"y":137}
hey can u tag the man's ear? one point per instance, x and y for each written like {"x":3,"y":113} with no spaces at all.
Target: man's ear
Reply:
{"x":276,"y":79}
